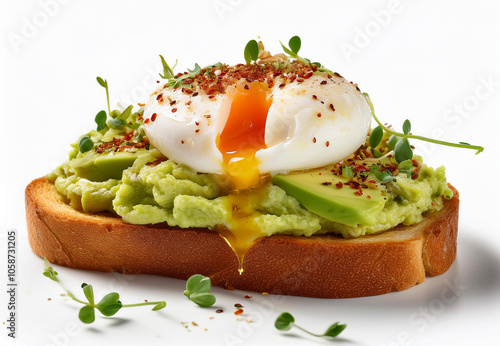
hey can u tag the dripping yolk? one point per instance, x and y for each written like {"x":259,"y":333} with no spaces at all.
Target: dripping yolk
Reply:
{"x":243,"y":134}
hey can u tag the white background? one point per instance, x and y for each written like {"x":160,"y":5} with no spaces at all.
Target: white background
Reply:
{"x":436,"y":63}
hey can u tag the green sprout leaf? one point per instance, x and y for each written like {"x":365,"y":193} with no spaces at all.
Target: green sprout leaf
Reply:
{"x":85,"y":144}
{"x":295,"y":44}
{"x":198,"y":283}
{"x":335,"y":329}
{"x":405,"y":167}
{"x":196,"y":69}
{"x":100,"y":120}
{"x":168,"y":72}
{"x":198,"y":290}
{"x":384,"y":176}
{"x":50,"y":272}
{"x":402,"y":150}
{"x":407,"y":127}
{"x":102,"y":82}
{"x":392,"y":142}
{"x":126,"y":113}
{"x":286,"y":321}
{"x":89,"y":293}
{"x":159,"y":306}
{"x":202,"y":299}
{"x":87,"y":314}
{"x":117,"y":123}
{"x":109,"y":304}
{"x":376,"y":136}
{"x":251,"y":51}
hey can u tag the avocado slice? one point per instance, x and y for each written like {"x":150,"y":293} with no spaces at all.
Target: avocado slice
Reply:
{"x":101,"y":167}
{"x":318,"y":191}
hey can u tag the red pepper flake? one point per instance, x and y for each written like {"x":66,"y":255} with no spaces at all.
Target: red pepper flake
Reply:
{"x":361,"y":168}
{"x":369,"y":197}
{"x":211,"y":96}
{"x":141,"y":104}
{"x":159,"y":98}
{"x":157,"y":81}
{"x":173,"y":102}
{"x":319,"y":115}
{"x":129,"y":136}
{"x":308,"y":75}
{"x":315,"y":97}
{"x":327,"y":143}
{"x":182,"y":141}
{"x":359,"y":192}
{"x":372,"y":181}
{"x":282,"y":85}
{"x":174,"y":110}
{"x":153,"y":117}
{"x":300,"y":80}
{"x":248,"y":296}
{"x":314,"y":139}
{"x":197,"y":130}
{"x":326,"y":183}
{"x":208,"y":116}
{"x":219,"y":311}
{"x":197,"y":123}
{"x":238,"y":312}
{"x":156,"y":162}
{"x":238,"y":305}
{"x":246,"y":87}
{"x":323,"y":82}
{"x":332,"y":108}
{"x":339,"y":185}
{"x":195,"y":94}
{"x":188,"y":103}
{"x":146,"y":121}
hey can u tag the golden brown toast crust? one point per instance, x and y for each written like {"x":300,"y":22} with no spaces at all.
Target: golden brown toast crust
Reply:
{"x":323,"y":266}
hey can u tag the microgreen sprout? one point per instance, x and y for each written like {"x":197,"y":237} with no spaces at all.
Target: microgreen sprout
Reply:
{"x":292,"y":50}
{"x":198,"y":290}
{"x":100,"y":120}
{"x":402,"y":148}
{"x":104,"y":84}
{"x":286,"y":321}
{"x":109,"y":305}
{"x":168,"y":72}
{"x":252,"y":51}
{"x":85,"y":144}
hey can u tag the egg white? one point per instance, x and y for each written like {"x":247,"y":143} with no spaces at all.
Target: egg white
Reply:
{"x":296,"y":137}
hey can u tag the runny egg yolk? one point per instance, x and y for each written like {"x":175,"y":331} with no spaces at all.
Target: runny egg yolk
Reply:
{"x":243,"y":135}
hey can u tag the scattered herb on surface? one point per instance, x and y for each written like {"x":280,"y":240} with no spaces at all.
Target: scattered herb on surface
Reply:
{"x":109,"y":305}
{"x":198,"y":290}
{"x":286,"y":321}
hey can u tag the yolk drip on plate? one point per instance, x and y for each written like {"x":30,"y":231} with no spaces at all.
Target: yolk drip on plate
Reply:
{"x":243,"y":135}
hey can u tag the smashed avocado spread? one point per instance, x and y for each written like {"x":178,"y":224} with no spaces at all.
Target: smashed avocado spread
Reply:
{"x":123,"y":174}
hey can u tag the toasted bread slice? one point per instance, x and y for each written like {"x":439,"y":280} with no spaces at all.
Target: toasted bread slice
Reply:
{"x":324,"y":266}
